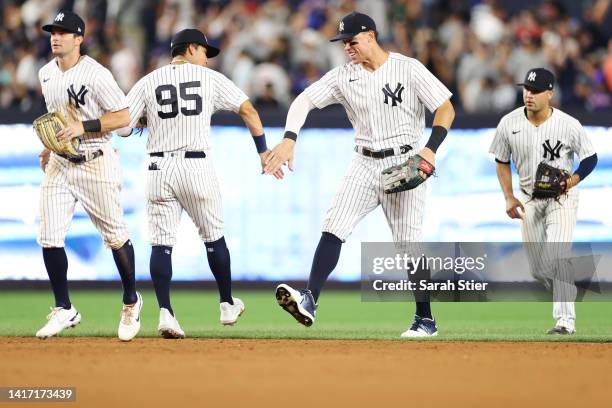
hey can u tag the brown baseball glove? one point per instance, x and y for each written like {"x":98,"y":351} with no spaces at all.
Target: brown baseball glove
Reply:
{"x":47,"y":126}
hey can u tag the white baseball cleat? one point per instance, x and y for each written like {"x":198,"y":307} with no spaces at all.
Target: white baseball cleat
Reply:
{"x":129,"y":326}
{"x":169,"y":327}
{"x":231,"y":313}
{"x":58,"y":320}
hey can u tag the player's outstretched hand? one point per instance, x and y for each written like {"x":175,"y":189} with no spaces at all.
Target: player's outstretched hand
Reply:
{"x":44,"y":158}
{"x":514,"y":208}
{"x":72,"y":130}
{"x":279,"y":174}
{"x":281,"y":154}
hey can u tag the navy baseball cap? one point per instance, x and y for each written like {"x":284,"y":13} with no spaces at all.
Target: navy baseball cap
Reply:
{"x":353,"y":24}
{"x":193,"y":36}
{"x":540,"y":79}
{"x":68,"y":21}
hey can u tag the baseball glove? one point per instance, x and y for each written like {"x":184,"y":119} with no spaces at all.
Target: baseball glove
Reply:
{"x":407,"y":175}
{"x":549,"y":182}
{"x":47,"y":126}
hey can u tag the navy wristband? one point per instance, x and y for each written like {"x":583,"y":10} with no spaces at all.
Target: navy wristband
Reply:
{"x":438,"y":133}
{"x":260,"y":143}
{"x":93,"y":125}
{"x":290,"y":135}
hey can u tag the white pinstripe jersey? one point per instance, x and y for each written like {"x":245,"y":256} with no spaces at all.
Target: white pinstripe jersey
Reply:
{"x":178,"y":101}
{"x":84,"y":92}
{"x":385,"y":107}
{"x":555,"y":141}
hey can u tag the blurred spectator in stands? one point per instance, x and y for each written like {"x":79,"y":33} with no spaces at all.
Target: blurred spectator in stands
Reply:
{"x":26,"y":76}
{"x":475,"y":65}
{"x":124,"y":64}
{"x":34,"y":11}
{"x":7,"y":80}
{"x":487,"y":23}
{"x":594,"y":18}
{"x":505,"y":94}
{"x":270,"y":73}
{"x":267,"y":100}
{"x":242,"y":72}
{"x":527,"y":55}
{"x":598,"y":99}
{"x":307,"y":74}
{"x":607,"y":66}
{"x":478,"y":48}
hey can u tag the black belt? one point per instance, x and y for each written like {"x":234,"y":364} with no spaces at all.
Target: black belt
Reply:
{"x":83,"y":158}
{"x":381,"y":154}
{"x":188,"y":155}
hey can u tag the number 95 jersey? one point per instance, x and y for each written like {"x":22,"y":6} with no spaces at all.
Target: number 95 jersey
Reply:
{"x":178,"y":101}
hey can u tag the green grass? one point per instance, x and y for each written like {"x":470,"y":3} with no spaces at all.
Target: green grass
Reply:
{"x":341,"y":315}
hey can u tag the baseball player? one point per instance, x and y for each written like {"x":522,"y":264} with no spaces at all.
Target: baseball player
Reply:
{"x":385,"y":95}
{"x":177,"y":101}
{"x":530,"y":135}
{"x":87,"y":95}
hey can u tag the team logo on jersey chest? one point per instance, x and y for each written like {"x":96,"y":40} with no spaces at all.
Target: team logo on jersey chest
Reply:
{"x":395,"y":96}
{"x":553,"y":151}
{"x":77,"y":98}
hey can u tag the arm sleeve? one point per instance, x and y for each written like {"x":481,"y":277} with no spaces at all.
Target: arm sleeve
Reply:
{"x":108,"y":94}
{"x":325,"y":91}
{"x":136,"y":102}
{"x":500,"y":146}
{"x":431,"y":92}
{"x":586,"y":166}
{"x":227,"y":96}
{"x":298,"y":111}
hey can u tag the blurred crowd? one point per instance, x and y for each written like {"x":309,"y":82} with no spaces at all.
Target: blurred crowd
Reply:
{"x":274,"y":49}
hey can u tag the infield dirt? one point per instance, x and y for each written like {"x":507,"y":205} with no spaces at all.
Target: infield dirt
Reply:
{"x":240,"y":373}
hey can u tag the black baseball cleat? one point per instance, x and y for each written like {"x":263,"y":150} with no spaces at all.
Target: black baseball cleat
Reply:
{"x":560,"y":330}
{"x":421,"y":327}
{"x":301,"y":305}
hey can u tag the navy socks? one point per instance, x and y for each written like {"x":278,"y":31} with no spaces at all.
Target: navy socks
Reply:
{"x":219,"y":261}
{"x":56,"y":264}
{"x":325,"y":260}
{"x":124,"y":259}
{"x":160,"y":266}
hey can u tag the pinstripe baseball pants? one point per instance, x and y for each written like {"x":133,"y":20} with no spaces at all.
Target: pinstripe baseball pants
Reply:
{"x":361,"y":192}
{"x":96,"y":184}
{"x":548,"y":227}
{"x":183,"y":183}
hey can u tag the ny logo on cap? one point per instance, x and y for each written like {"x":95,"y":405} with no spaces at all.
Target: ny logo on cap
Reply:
{"x":341,"y":26}
{"x":531,"y":76}
{"x":60,"y":17}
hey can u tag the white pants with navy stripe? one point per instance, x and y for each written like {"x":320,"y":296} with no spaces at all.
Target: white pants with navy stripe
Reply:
{"x":361,"y":192}
{"x":96,"y":184}
{"x":551,"y":224}
{"x":183,"y":183}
